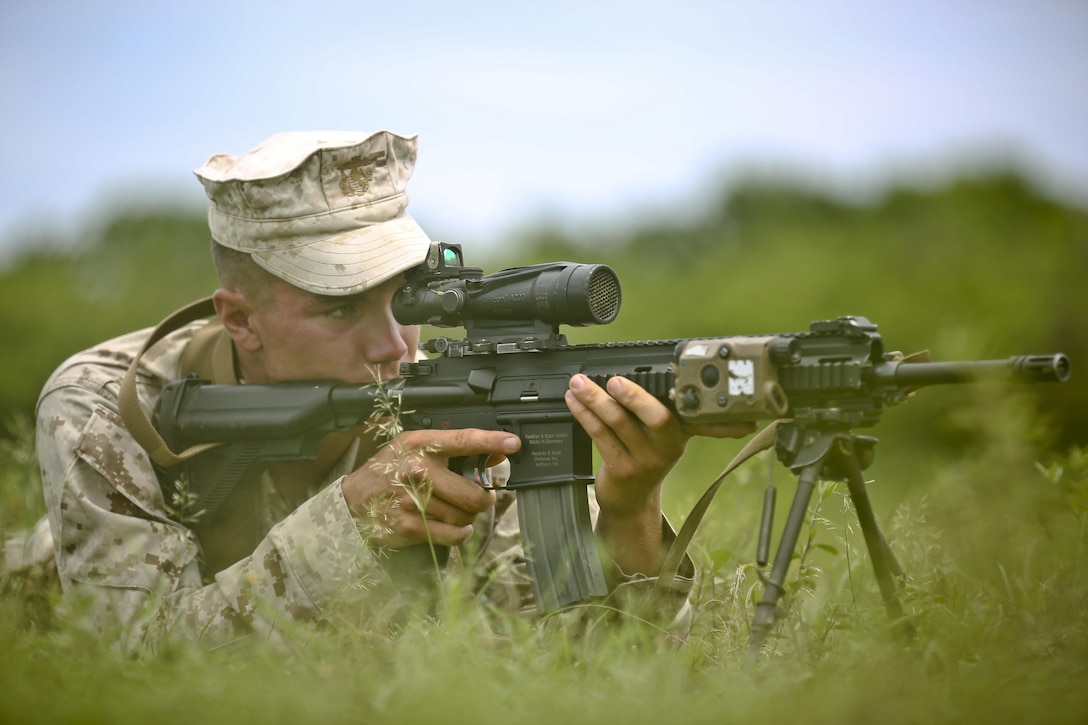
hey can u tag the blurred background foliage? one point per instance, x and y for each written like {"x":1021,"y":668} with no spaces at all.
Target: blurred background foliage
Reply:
{"x":981,"y":265}
{"x":60,"y":296}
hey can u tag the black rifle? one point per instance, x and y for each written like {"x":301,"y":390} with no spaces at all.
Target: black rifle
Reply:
{"x":512,"y":370}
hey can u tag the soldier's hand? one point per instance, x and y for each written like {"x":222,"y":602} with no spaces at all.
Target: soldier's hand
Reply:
{"x":639,"y":439}
{"x":406,"y":494}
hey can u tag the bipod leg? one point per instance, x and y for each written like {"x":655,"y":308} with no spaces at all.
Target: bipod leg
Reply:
{"x":885,"y":564}
{"x":774,"y":583}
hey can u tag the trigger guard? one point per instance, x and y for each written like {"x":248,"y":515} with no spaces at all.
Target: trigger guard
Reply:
{"x":474,"y":468}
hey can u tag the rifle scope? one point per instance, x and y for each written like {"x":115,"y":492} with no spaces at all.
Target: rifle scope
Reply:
{"x":556,"y":293}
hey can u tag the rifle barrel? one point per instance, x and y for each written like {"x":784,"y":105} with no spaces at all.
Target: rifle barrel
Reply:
{"x":1018,"y":369}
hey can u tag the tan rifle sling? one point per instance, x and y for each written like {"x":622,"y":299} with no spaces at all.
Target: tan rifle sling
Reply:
{"x":673,"y":560}
{"x":134,"y":416}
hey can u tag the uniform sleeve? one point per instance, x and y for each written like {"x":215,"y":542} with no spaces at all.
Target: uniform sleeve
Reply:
{"x":134,"y":573}
{"x":637,"y":595}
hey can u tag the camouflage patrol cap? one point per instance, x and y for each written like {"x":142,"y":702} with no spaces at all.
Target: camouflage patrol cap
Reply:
{"x":324,"y":211}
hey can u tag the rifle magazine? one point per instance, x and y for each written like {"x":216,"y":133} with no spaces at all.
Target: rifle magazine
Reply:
{"x":560,"y":545}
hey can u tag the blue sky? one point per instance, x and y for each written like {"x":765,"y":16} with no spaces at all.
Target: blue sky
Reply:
{"x":589,"y":111}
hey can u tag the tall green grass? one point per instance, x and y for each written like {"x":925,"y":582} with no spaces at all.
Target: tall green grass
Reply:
{"x":993,"y":543}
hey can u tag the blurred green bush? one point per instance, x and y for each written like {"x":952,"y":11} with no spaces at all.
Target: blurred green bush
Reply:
{"x":60,"y":298}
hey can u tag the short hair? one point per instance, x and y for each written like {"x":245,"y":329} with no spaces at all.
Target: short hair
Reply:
{"x":237,"y":270}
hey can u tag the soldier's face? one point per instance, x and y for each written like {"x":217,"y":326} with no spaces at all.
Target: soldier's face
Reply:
{"x":305,"y":336}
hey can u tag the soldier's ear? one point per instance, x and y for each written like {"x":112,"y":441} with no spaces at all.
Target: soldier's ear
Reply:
{"x":235,"y":310}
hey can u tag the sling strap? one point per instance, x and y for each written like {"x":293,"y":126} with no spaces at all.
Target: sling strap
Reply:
{"x":759,"y":442}
{"x":135,"y":418}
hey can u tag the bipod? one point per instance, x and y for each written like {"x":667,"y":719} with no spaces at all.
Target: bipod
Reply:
{"x":813,"y":454}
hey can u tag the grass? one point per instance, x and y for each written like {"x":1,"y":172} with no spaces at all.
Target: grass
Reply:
{"x":993,"y":542}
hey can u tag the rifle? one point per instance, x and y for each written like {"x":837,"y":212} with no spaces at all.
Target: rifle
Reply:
{"x":511,"y":372}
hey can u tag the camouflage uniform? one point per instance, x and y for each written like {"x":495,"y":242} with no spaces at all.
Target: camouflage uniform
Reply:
{"x":118,"y":541}
{"x":325,"y":212}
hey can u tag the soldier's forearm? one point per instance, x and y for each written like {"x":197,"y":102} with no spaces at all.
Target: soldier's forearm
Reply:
{"x":633,"y":542}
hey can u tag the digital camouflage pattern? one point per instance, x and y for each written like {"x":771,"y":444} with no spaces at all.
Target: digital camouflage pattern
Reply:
{"x":132,"y":552}
{"x":323,"y":210}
